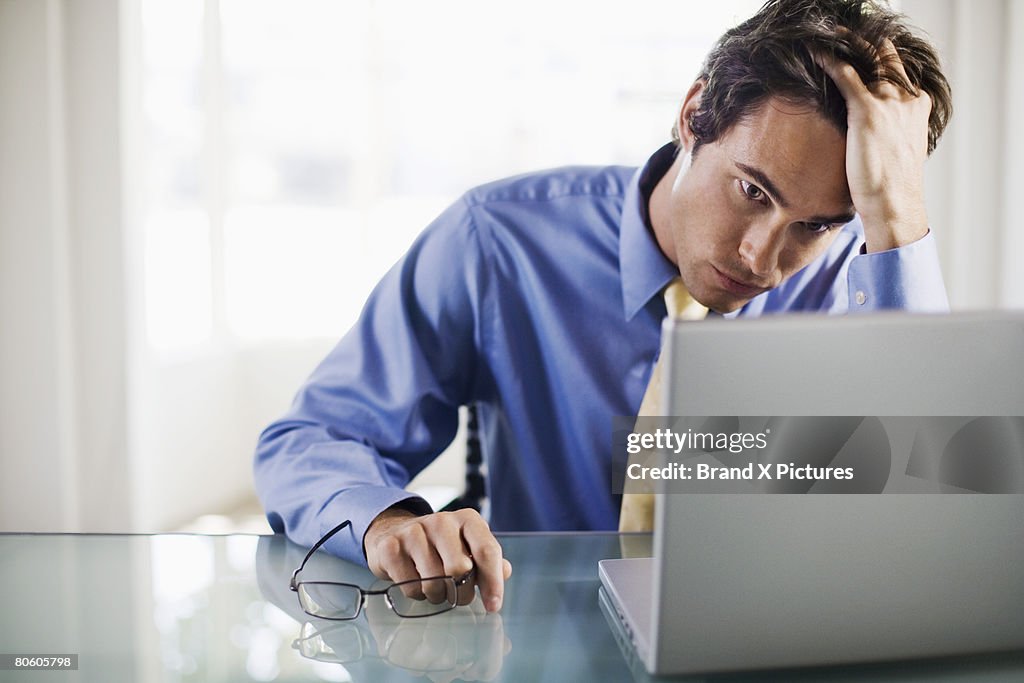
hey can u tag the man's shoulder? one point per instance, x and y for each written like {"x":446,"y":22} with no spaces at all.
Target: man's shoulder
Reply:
{"x":554,"y":184}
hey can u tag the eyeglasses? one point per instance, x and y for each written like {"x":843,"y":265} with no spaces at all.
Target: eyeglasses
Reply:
{"x":348,"y":643}
{"x":415,"y":598}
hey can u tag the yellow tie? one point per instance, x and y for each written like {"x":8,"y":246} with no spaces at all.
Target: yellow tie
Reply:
{"x":637,"y":513}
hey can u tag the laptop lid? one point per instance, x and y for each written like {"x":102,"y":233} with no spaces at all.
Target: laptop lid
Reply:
{"x":745,"y":581}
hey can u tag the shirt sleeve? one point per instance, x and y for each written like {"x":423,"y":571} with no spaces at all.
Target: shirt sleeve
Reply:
{"x":906,"y":278}
{"x":384,"y":403}
{"x":846,"y":279}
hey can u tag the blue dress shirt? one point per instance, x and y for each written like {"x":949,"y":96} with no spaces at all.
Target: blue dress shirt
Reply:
{"x":536,"y":297}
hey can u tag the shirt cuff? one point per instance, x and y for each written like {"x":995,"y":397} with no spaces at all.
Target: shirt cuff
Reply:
{"x":907,"y":278}
{"x":360,"y":506}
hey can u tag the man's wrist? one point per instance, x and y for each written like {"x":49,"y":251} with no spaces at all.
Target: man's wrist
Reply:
{"x":892,"y":230}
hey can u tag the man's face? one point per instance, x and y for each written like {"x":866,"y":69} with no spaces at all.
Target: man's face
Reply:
{"x":755,"y":206}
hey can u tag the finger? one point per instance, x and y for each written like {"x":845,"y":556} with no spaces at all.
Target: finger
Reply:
{"x":490,"y":569}
{"x":420,"y":547}
{"x":843,"y":74}
{"x":400,"y":555}
{"x":381,"y":539}
{"x":447,"y":538}
{"x":475,"y":610}
{"x":889,"y":55}
{"x":465,"y":593}
{"x":393,"y":561}
{"x":455,"y":556}
{"x":490,"y":649}
{"x":846,"y":78}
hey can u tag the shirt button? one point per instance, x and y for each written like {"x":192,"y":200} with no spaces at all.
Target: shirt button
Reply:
{"x":860,"y":298}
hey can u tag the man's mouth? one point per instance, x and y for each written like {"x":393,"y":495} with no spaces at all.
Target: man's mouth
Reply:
{"x":737,"y":286}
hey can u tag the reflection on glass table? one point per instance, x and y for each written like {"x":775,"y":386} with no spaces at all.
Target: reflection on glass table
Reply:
{"x":463,"y":643}
{"x":205,"y":609}
{"x":445,"y":647}
{"x":347,"y":643}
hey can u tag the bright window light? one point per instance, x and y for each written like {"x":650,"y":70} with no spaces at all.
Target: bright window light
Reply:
{"x":319,"y":137}
{"x":179,"y":307}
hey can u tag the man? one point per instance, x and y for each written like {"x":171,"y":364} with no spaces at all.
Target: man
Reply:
{"x":539,"y":297}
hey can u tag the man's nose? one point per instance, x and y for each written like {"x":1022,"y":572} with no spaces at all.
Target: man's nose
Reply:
{"x":760,"y":247}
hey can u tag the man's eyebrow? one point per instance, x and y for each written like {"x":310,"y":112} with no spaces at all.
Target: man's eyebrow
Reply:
{"x":764,"y":182}
{"x":841,"y":219}
{"x":768,"y":186}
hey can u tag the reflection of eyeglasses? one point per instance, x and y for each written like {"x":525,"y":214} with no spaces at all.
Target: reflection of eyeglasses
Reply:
{"x":346,"y":643}
{"x":423,"y":597}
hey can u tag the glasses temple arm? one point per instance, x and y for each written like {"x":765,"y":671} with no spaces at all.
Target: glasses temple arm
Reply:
{"x":293,"y":584}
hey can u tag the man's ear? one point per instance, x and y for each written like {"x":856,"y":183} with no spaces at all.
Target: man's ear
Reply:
{"x":691,"y":105}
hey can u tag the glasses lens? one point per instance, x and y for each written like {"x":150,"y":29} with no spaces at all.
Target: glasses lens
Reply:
{"x":423,"y":597}
{"x":331,"y":644}
{"x":330,"y":600}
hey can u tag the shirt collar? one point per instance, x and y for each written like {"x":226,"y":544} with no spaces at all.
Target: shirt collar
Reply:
{"x":644,"y":269}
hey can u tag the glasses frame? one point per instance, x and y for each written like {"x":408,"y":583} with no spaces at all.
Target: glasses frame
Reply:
{"x":366,"y":647}
{"x":299,"y":643}
{"x":294,"y":583}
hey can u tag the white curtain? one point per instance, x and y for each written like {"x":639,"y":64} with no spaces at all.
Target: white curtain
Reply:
{"x":976,"y":176}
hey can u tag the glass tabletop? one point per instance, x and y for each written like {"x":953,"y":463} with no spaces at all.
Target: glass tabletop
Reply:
{"x":217,"y":608}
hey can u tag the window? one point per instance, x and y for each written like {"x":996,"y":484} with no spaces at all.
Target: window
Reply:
{"x":294,"y":149}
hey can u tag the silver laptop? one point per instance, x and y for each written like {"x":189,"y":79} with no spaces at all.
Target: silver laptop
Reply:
{"x":747,"y":581}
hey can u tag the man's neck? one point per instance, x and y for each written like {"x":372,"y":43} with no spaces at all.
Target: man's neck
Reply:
{"x":658,"y":202}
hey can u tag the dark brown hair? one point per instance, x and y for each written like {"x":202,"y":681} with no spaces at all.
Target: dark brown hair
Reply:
{"x":770,"y":55}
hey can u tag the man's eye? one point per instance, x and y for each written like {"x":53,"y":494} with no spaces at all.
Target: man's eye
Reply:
{"x":820,"y":228}
{"x":752,"y":192}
